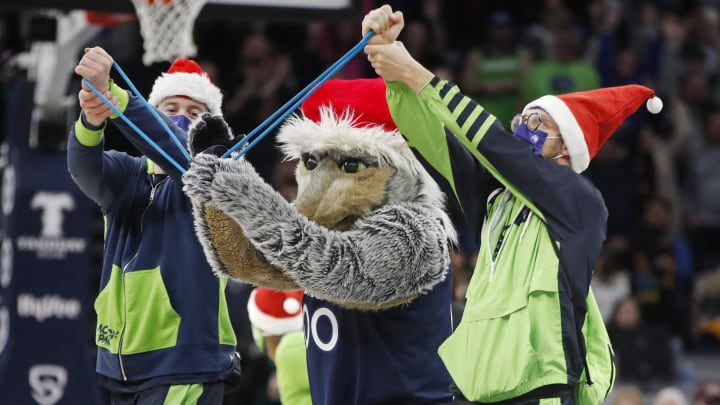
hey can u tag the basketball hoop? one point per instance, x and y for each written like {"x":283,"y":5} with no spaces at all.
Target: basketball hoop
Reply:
{"x":167,"y":28}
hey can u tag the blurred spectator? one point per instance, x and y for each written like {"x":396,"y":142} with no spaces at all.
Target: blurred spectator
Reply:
{"x":626,"y":43}
{"x":609,"y":172}
{"x":266,"y":82}
{"x":331,"y":41}
{"x":540,"y":37}
{"x":627,"y":395}
{"x":708,"y":393}
{"x":703,"y":194}
{"x":417,"y":37}
{"x":662,"y":139}
{"x":611,"y":282}
{"x":643,"y":353}
{"x":670,"y":396}
{"x":645,"y":38}
{"x":707,"y":298}
{"x":662,"y":269}
{"x":494,"y":69}
{"x":564,"y":71}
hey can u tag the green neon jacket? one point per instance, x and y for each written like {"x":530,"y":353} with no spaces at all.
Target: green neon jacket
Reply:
{"x":531,"y":327}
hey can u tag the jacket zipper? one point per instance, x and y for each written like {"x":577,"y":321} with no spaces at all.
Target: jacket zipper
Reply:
{"x":612,"y":369}
{"x":122,"y":333}
{"x":495,"y":252}
{"x":493,"y":223}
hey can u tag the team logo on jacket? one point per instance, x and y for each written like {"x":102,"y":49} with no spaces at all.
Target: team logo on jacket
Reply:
{"x":105,"y":334}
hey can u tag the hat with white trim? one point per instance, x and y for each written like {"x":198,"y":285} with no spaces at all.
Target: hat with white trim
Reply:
{"x":586,"y":119}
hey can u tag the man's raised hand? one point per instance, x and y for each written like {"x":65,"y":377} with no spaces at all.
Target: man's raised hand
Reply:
{"x":95,"y":67}
{"x":95,"y":110}
{"x":385,"y":23}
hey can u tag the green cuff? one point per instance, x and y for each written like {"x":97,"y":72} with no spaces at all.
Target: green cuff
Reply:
{"x":122,"y":95}
{"x":86,"y":136}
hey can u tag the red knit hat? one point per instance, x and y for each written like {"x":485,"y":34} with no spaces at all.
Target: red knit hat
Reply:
{"x":587,"y":118}
{"x":186,"y":78}
{"x":275,"y":312}
{"x":365,"y":98}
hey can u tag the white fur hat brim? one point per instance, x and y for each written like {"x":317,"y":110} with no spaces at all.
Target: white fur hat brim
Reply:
{"x":192,"y":85}
{"x":570,"y":129}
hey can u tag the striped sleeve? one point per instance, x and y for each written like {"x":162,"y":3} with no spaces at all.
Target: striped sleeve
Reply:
{"x":548,"y":189}
{"x":449,"y":162}
{"x":463,"y":117}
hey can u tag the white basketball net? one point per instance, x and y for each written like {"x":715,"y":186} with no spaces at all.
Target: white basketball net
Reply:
{"x":167,"y":28}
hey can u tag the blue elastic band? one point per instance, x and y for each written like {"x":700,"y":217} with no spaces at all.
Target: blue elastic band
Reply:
{"x":152,"y":111}
{"x":135,"y":127}
{"x":295,"y":102}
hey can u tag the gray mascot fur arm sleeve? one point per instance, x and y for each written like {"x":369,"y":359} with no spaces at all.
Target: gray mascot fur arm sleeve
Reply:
{"x":226,"y":248}
{"x":387,"y":257}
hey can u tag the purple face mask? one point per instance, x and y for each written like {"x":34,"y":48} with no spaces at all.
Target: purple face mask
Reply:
{"x":181,"y":121}
{"x":535,"y":138}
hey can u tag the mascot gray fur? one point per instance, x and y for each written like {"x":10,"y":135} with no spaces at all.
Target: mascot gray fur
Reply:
{"x":368,"y":229}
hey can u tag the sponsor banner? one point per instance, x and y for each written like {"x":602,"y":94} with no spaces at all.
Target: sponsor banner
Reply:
{"x":46,"y":284}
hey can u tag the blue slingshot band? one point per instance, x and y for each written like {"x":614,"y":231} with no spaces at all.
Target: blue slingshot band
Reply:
{"x":135,"y":127}
{"x":278,"y":115}
{"x":152,"y":111}
{"x":295,"y":102}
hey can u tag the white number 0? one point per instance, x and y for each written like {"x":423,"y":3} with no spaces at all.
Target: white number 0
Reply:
{"x":311,"y":324}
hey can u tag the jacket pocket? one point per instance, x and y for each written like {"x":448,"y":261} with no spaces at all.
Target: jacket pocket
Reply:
{"x":152,"y":322}
{"x":110,"y":309}
{"x":600,"y":359}
{"x":490,"y":355}
{"x":507,"y":346}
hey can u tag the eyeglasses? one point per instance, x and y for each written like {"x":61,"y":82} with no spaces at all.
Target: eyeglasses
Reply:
{"x":532,"y":120}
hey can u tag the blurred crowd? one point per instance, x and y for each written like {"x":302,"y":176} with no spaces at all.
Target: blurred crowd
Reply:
{"x":658,"y":279}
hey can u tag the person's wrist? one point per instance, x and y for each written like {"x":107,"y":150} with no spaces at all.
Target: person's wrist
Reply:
{"x":417,"y":77}
{"x":91,"y":123}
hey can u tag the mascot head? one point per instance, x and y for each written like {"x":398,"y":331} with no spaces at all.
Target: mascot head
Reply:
{"x":368,"y":228}
{"x":352,"y":159}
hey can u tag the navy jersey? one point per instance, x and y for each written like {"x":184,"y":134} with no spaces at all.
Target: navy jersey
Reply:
{"x":392,"y":353}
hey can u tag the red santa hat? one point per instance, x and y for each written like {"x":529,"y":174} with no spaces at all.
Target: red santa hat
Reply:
{"x":587,"y":118}
{"x":345,"y":115}
{"x":187,"y":79}
{"x":365,"y":98}
{"x":275,"y":312}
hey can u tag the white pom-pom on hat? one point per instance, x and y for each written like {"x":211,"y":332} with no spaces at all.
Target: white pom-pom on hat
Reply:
{"x":291,"y":305}
{"x":654,"y":105}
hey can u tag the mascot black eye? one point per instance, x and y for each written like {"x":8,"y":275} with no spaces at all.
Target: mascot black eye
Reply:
{"x":352,"y":166}
{"x":309,"y":161}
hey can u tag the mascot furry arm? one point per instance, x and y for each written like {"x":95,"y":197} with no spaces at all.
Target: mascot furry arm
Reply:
{"x":368,"y":229}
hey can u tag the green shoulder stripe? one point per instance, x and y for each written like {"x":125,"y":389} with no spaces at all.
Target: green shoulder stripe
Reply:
{"x":444,"y":101}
